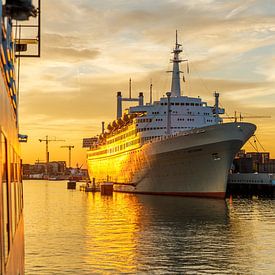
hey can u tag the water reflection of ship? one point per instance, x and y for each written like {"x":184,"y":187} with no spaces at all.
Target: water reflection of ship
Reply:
{"x":185,"y":211}
{"x":162,"y":234}
{"x":185,"y":235}
{"x":141,"y":233}
{"x":112,"y":224}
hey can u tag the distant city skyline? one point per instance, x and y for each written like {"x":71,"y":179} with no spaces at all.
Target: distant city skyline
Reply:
{"x":90,"y":49}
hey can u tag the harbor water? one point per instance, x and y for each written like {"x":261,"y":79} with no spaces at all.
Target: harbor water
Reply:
{"x":73,"y":232}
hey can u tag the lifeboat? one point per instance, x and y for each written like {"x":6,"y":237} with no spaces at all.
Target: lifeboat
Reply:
{"x":120,"y":122}
{"x":126,"y":118}
{"x":132,"y":116}
{"x":110,"y":127}
{"x":114,"y":124}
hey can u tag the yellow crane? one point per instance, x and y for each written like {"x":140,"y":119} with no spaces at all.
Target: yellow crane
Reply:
{"x":70,"y":147}
{"x":47,"y":140}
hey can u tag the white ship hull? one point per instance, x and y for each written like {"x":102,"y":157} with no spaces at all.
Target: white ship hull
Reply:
{"x":195,"y":163}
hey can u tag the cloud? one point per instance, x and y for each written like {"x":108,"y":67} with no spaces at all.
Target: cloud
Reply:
{"x":91,"y":49}
{"x":268,"y":69}
{"x":239,"y":8}
{"x":70,"y":54}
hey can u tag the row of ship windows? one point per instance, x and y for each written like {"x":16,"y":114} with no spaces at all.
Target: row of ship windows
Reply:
{"x":116,"y":148}
{"x":205,"y":114}
{"x":141,"y":120}
{"x":160,"y":128}
{"x":151,"y":137}
{"x":130,"y":133}
{"x":181,"y":104}
{"x":250,"y":181}
{"x":190,"y":113}
{"x":188,"y":119}
{"x":179,"y":119}
{"x":98,"y":153}
{"x":123,"y":146}
{"x":160,"y":119}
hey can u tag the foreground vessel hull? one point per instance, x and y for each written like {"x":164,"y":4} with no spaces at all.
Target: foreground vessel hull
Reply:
{"x":193,"y":163}
{"x":12,"y":45}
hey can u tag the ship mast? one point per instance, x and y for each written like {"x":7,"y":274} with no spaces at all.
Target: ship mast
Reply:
{"x":175,"y":86}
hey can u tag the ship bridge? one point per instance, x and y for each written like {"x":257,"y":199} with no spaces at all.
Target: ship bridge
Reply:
{"x":185,"y":113}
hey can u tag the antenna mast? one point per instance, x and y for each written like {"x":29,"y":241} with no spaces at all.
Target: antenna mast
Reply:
{"x":175,"y":86}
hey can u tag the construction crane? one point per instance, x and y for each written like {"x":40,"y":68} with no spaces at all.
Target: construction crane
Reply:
{"x":70,"y":147}
{"x":47,"y":140}
{"x":39,"y":161}
{"x":240,"y":117}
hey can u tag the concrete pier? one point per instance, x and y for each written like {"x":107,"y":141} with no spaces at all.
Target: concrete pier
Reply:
{"x":251,"y":184}
{"x":89,"y":187}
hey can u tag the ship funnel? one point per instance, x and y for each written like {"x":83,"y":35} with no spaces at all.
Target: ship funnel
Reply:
{"x":140,"y":99}
{"x":19,"y":9}
{"x":119,"y":105}
{"x":216,"y":95}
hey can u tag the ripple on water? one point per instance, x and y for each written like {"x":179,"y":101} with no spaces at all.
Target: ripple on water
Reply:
{"x":71,"y":232}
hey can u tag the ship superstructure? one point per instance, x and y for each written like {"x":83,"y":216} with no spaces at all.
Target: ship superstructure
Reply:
{"x":176,"y":145}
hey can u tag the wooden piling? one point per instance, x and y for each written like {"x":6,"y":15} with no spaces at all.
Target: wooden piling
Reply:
{"x":71,"y":184}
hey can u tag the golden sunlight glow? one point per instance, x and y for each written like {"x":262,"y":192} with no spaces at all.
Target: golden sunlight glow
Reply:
{"x":111,"y":244}
{"x":122,"y":159}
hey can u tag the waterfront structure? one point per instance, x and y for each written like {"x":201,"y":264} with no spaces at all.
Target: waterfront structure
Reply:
{"x":176,"y":145}
{"x":251,"y":184}
{"x":11,"y":190}
{"x":43,"y":170}
{"x":54,"y":170}
{"x":251,"y":162}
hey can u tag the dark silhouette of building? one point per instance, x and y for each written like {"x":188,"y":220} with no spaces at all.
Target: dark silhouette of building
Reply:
{"x":251,"y":162}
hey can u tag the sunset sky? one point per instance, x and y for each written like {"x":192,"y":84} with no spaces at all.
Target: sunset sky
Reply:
{"x":91,"y":48}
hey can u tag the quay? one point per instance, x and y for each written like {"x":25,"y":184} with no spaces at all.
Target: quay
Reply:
{"x":88,"y":188}
{"x":238,"y":185}
{"x":105,"y":188}
{"x":251,"y":184}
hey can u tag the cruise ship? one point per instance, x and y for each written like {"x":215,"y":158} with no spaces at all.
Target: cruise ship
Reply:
{"x":177,"y":145}
{"x":11,"y":187}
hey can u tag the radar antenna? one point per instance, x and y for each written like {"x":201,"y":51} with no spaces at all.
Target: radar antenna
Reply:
{"x":175,"y":85}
